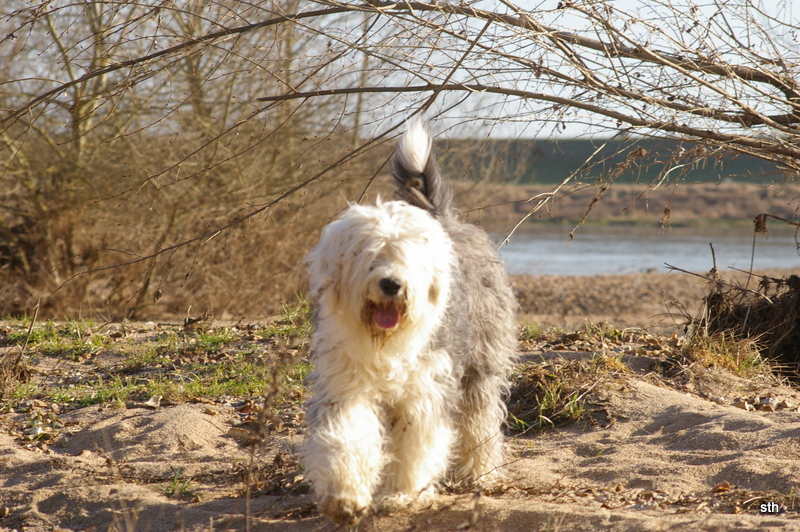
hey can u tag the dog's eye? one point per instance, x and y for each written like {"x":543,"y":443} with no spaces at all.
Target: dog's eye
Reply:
{"x":433,"y":293}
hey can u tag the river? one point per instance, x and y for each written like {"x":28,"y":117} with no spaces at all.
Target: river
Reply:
{"x":622,"y":249}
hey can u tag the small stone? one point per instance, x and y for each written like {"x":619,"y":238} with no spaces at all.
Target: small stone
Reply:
{"x":154,"y":402}
{"x":239,"y":433}
{"x":771,"y":401}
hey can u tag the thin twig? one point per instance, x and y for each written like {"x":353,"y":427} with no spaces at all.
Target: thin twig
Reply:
{"x":24,"y":346}
{"x":719,"y":281}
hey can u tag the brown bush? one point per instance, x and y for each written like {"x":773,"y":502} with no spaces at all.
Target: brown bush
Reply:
{"x":132,"y":231}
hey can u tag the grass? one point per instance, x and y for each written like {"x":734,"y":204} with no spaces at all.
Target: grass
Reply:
{"x":80,"y":364}
{"x":179,"y":487}
{"x":551,"y":390}
{"x":724,"y":350}
{"x":604,"y":363}
{"x":531,"y":332}
{"x":293,"y":323}
{"x":545,"y":395}
{"x":74,"y":339}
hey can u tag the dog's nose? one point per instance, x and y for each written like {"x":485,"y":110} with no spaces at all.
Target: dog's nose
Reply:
{"x":390,"y":287}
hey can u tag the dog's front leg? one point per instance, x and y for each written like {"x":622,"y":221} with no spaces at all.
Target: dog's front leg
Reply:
{"x":344,"y":456}
{"x":420,"y":444}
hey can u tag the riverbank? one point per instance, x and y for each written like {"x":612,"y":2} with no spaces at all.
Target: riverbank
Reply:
{"x":658,"y":302}
{"x":501,"y":207}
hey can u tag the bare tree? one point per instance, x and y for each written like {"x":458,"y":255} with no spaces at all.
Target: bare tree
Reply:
{"x":153,"y":108}
{"x":131,"y":134}
{"x":720,"y":74}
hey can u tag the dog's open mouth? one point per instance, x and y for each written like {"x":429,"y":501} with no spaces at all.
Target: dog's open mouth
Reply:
{"x":386,"y":316}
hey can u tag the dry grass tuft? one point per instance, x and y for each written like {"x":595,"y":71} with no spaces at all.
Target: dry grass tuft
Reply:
{"x":724,"y":350}
{"x":547,"y":394}
{"x":13,"y":372}
{"x":13,"y":368}
{"x":739,"y":327}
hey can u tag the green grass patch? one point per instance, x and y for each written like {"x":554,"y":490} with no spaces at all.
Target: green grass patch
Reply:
{"x":214,"y":340}
{"x":179,"y":487}
{"x":75,"y":340}
{"x":174,"y":363}
{"x":294,"y":322}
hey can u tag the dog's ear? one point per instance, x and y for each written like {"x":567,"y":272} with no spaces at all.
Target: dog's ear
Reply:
{"x":324,"y":263}
{"x":338,"y":257}
{"x":433,"y":292}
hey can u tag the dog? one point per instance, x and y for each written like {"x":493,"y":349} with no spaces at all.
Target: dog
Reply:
{"x":414,"y":336}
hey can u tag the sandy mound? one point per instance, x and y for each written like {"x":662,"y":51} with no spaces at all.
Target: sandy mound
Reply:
{"x":140,"y":435}
{"x":133,"y":469}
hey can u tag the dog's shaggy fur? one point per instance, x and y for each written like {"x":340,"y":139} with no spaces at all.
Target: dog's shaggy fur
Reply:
{"x":414,"y":337}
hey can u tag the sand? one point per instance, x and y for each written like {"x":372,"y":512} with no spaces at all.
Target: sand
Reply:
{"x":662,"y":450}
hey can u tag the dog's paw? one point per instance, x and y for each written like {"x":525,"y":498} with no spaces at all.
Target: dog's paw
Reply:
{"x":394,"y":502}
{"x":343,"y":512}
{"x":403,"y":501}
{"x":492,"y":483}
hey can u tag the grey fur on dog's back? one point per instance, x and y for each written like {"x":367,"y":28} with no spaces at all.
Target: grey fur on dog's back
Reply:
{"x":479,"y":330}
{"x":486,"y":331}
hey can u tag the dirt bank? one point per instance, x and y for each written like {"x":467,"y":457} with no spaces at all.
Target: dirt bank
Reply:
{"x":658,"y":302}
{"x":500,"y":207}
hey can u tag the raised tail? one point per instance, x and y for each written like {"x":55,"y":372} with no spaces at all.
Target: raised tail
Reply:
{"x":417,"y":175}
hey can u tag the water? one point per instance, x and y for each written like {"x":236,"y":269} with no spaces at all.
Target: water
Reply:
{"x":614,"y":250}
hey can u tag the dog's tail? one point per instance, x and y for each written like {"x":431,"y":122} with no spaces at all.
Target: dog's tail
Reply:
{"x":419,"y":181}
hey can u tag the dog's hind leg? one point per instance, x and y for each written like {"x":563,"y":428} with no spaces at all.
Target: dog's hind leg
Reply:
{"x":479,"y":447}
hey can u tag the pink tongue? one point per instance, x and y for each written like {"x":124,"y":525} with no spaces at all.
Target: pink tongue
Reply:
{"x":387,"y":317}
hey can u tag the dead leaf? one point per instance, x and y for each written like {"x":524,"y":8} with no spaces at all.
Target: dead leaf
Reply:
{"x":721,"y":487}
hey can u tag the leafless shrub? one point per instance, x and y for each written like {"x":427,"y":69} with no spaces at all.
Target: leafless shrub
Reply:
{"x":742,"y":322}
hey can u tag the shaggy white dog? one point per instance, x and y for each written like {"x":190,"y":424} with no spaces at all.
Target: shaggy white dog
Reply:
{"x":414,"y":336}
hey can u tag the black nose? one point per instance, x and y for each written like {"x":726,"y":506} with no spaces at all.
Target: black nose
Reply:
{"x":390,"y":287}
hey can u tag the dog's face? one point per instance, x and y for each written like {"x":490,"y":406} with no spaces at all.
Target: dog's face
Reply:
{"x":388,"y":267}
{"x":386,"y":292}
